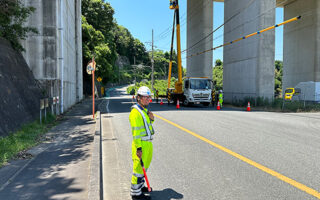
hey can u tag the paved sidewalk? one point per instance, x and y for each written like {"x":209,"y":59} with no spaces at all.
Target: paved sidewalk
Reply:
{"x":66,"y":167}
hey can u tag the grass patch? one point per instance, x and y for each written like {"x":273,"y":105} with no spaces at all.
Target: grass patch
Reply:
{"x":278,"y":105}
{"x":27,"y":136}
{"x":160,"y":85}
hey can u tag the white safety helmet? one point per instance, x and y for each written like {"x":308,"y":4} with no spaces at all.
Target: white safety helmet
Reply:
{"x":144,"y":91}
{"x":220,"y":91}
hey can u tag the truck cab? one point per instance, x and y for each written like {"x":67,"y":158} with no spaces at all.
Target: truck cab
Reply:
{"x":290,"y":93}
{"x":197,"y":91}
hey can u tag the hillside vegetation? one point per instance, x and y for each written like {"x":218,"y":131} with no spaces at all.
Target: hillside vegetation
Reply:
{"x":13,"y":15}
{"x":105,"y":39}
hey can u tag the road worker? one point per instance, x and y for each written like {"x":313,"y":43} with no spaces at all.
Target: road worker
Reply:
{"x":220,"y":97}
{"x":141,"y":120}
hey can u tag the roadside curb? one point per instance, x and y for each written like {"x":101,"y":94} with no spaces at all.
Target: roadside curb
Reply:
{"x":95,"y":184}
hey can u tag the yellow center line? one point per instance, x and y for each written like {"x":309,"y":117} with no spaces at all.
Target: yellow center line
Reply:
{"x":250,"y":162}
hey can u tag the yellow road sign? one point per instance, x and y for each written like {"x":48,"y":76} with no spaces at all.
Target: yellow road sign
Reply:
{"x":99,"y":79}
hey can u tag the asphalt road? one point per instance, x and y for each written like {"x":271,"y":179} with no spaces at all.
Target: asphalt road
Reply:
{"x":201,"y":153}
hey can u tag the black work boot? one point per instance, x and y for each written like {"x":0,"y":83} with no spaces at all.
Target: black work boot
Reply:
{"x":141,"y":196}
{"x":145,"y":189}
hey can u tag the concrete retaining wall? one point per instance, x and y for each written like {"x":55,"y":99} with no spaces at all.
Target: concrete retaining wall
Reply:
{"x":19,"y":91}
{"x":43,"y":50}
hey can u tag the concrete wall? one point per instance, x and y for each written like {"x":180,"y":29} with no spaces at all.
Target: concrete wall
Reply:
{"x":249,"y":64}
{"x":43,"y":50}
{"x":199,"y":25}
{"x":301,"y":55}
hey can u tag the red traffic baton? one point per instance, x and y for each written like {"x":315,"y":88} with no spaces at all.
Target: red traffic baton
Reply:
{"x":145,"y":175}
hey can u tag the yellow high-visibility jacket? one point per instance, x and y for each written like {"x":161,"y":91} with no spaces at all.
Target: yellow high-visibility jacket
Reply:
{"x":220,"y":96}
{"x":139,"y":131}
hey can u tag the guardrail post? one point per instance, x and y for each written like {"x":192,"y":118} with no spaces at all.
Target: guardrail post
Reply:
{"x":41,"y":107}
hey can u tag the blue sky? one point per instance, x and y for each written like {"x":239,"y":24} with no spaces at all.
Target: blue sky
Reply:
{"x":140,"y":17}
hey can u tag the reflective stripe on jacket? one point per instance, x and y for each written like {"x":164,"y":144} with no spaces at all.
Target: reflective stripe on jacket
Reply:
{"x":141,"y":125}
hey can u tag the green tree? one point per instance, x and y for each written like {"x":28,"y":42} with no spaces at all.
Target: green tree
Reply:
{"x":99,"y":14}
{"x":13,"y":15}
{"x":278,"y":73}
{"x":107,"y":40}
{"x":94,"y":44}
{"x":138,"y":50}
{"x":97,"y":38}
{"x":217,"y":74}
{"x":127,"y":45}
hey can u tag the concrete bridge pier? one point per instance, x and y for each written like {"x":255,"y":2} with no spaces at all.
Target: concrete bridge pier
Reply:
{"x":199,"y":25}
{"x":249,"y":64}
{"x":301,"y":49}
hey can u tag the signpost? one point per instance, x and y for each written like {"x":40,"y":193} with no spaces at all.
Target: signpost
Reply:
{"x":41,"y":107}
{"x":46,"y":105}
{"x":57,"y":106}
{"x":90,"y":70}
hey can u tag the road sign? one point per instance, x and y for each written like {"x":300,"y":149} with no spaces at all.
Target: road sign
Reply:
{"x":99,"y":79}
{"x":91,"y":67}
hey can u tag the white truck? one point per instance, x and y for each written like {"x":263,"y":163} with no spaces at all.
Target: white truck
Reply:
{"x":197,"y":91}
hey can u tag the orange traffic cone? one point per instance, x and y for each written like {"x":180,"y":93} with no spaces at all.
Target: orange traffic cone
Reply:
{"x":178,"y":105}
{"x":218,"y":106}
{"x":161,"y":103}
{"x":248,"y":107}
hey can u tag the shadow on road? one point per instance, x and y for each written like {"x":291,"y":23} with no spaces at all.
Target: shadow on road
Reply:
{"x":43,"y":178}
{"x":166,"y":194}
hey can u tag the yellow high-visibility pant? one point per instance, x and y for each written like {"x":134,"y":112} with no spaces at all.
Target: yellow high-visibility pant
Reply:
{"x":137,"y":180}
{"x":220,"y":101}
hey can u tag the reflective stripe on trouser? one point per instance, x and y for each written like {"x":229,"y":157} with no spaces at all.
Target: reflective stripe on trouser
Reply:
{"x":137,"y":180}
{"x":136,"y":188}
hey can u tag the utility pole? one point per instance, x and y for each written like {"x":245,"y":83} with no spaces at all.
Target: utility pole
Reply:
{"x":135,"y":69}
{"x":119,"y":74}
{"x":152,"y":64}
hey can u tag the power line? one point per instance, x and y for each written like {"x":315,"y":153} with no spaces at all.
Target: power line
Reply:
{"x":247,"y":36}
{"x":164,"y":34}
{"x":228,"y":20}
{"x":250,"y":20}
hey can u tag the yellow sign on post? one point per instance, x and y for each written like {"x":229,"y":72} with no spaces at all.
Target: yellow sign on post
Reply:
{"x":99,"y":79}
{"x":102,"y":91}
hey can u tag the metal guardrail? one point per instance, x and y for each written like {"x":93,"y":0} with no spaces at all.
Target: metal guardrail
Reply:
{"x":264,"y":98}
{"x":46,"y":103}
